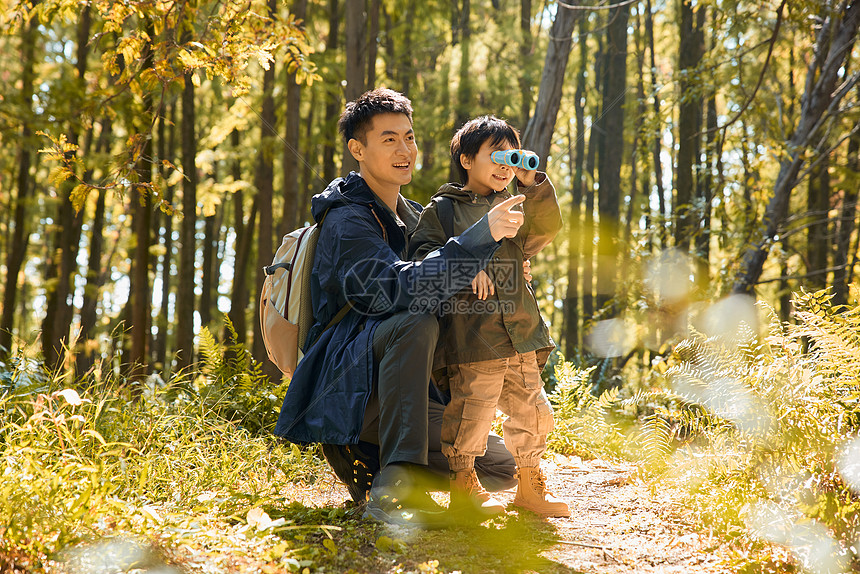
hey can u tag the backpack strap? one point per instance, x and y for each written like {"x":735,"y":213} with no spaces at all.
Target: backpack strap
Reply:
{"x":445,"y":210}
{"x":345,"y":309}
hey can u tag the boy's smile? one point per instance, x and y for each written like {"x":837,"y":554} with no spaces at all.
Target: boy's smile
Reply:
{"x":387,"y":156}
{"x":485,"y":176}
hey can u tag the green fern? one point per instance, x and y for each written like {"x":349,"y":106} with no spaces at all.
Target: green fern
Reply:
{"x":234,"y":385}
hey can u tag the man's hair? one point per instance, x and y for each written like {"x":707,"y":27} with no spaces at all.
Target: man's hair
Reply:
{"x":357,"y":115}
{"x":469,"y":139}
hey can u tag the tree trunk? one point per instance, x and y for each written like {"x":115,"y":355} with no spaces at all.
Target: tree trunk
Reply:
{"x":463,"y":108}
{"x":589,"y":228}
{"x":833,"y":47}
{"x":373,"y":43}
{"x":290,"y":160}
{"x":525,"y":59}
{"x":610,"y":154}
{"x":818,"y":205}
{"x":356,"y":65}
{"x":209,"y":292}
{"x":309,"y":175}
{"x":96,"y":276}
{"x":184,"y":315}
{"x":160,"y":350}
{"x":690,"y":54}
{"x":658,"y":163}
{"x":20,"y":236}
{"x":332,"y":106}
{"x":847,"y":223}
{"x":263,"y":181}
{"x":141,"y":314}
{"x":538,"y":133}
{"x":58,"y":316}
{"x":244,"y":233}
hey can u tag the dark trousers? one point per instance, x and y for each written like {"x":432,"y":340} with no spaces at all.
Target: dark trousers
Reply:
{"x":396,"y":415}
{"x":401,"y":418}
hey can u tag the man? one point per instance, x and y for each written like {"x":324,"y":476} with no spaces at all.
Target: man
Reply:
{"x":364,"y":378}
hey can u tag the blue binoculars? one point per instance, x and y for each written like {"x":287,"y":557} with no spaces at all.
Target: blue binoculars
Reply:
{"x":516,"y":158}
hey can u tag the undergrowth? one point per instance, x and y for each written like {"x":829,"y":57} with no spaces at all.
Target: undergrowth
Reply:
{"x":761,"y":429}
{"x":107,"y":467}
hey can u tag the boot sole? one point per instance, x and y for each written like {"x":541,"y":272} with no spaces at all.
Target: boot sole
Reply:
{"x":544,"y":514}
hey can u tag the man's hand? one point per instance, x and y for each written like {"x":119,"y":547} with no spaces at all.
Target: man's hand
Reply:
{"x":482,"y":285}
{"x":504,"y":220}
{"x":527,"y":270}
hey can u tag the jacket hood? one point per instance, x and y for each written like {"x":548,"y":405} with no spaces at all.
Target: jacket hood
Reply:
{"x":456,"y":192}
{"x":341,"y":191}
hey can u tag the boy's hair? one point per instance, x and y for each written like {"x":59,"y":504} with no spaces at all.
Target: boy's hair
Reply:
{"x":469,"y":139}
{"x":357,"y":115}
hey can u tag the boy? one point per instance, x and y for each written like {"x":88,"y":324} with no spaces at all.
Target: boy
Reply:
{"x":493,"y":342}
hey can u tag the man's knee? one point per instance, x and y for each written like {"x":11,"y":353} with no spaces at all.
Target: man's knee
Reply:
{"x":420,"y":325}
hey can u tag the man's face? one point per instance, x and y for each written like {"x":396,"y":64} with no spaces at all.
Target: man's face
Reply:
{"x":388,"y":157}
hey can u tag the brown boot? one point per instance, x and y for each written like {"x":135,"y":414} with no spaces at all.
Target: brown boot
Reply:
{"x":469,"y":497}
{"x":533,"y":495}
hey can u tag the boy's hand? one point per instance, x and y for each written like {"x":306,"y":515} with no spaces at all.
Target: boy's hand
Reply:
{"x":505,"y":219}
{"x":482,"y":286}
{"x":526,"y":177}
{"x":527,"y":270}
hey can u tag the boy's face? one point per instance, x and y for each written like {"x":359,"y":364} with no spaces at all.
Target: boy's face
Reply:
{"x":388,"y":156}
{"x":484,"y":176}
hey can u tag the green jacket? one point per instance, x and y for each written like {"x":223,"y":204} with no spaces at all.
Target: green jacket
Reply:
{"x":509,"y":321}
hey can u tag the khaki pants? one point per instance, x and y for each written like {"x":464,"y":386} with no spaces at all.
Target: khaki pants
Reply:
{"x":512,"y":384}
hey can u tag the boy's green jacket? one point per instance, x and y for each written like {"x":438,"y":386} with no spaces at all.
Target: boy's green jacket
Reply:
{"x":509,"y":321}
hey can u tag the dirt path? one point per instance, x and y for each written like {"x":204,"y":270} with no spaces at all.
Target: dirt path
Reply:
{"x":617,"y":525}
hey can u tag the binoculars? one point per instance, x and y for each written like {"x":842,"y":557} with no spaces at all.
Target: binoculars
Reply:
{"x":516,"y":158}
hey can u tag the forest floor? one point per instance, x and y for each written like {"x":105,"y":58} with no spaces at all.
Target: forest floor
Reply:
{"x":618,"y":524}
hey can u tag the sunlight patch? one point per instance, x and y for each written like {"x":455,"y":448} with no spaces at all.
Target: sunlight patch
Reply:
{"x":611,"y":338}
{"x":809,"y":541}
{"x":848,"y":464}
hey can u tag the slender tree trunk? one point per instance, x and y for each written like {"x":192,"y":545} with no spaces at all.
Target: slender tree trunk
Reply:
{"x":574,"y":225}
{"x":690,"y":54}
{"x":847,"y":224}
{"x":658,"y":164}
{"x":184,"y":315}
{"x":589,"y":228}
{"x":610,"y":154}
{"x":290,"y":160}
{"x":263,"y":181}
{"x":85,"y":357}
{"x":524,"y":77}
{"x":63,"y":267}
{"x":141,"y":313}
{"x":703,"y":239}
{"x":208,"y":294}
{"x":160,"y":350}
{"x":332,"y":106}
{"x":373,"y":43}
{"x":20,"y":236}
{"x":462,"y":109}
{"x":833,"y":47}
{"x":356,"y":65}
{"x":407,"y":71}
{"x":309,"y":174}
{"x":239,"y":294}
{"x":818,"y":205}
{"x":538,"y":133}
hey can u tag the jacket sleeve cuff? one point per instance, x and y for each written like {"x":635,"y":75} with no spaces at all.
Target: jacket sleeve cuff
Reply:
{"x":536,"y":187}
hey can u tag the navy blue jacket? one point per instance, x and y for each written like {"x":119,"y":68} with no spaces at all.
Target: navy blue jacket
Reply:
{"x":360,"y":257}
